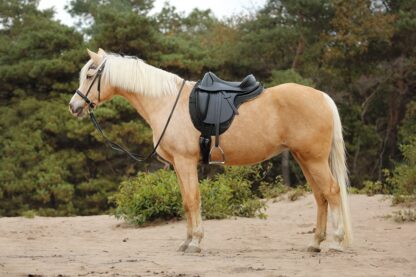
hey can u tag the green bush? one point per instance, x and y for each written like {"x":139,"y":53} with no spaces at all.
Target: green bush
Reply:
{"x":29,"y":214}
{"x":403,"y":178}
{"x":401,"y":182}
{"x":405,"y":215}
{"x":243,"y":201}
{"x":148,"y":197}
{"x":377,"y":187}
{"x":296,"y":193}
{"x":371,"y":188}
{"x":154,"y":196}
{"x":274,"y":189}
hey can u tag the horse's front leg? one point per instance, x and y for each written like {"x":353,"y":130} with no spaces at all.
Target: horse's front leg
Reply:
{"x":186,"y":170}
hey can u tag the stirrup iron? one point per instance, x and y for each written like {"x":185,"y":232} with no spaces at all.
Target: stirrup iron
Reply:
{"x":222,"y":161}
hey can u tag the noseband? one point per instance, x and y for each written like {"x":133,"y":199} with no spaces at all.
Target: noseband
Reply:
{"x":109,"y":143}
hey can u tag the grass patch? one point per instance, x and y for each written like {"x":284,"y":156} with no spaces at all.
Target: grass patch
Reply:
{"x":405,"y":215}
{"x":274,"y":189}
{"x":296,"y":193}
{"x":29,"y":214}
{"x":408,"y":200}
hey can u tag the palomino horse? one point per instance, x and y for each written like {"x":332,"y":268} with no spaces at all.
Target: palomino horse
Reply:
{"x":288,"y":116}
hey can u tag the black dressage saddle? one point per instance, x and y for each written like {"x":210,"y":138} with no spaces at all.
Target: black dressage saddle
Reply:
{"x":213,"y":103}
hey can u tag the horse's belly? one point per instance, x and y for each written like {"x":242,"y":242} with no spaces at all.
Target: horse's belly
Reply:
{"x":250,"y":156}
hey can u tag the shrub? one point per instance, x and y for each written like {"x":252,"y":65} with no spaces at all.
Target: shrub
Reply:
{"x":371,"y":188}
{"x":273,"y":189}
{"x":216,"y":198}
{"x":153,"y":196}
{"x":243,"y":201}
{"x":29,"y":214}
{"x":148,"y":197}
{"x":403,"y":178}
{"x":405,"y":215}
{"x":376,"y":187}
{"x":296,"y":193}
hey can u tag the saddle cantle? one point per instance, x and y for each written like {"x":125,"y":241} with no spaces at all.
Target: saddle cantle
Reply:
{"x":213,"y":103}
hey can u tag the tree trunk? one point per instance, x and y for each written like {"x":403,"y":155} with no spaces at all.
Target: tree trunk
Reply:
{"x":397,"y":107}
{"x":299,"y":52}
{"x":285,"y":167}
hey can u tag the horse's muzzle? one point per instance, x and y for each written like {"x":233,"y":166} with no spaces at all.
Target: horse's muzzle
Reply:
{"x":77,"y":107}
{"x":75,"y":110}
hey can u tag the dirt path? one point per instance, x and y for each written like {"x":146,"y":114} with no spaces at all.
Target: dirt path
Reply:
{"x":102,"y":246}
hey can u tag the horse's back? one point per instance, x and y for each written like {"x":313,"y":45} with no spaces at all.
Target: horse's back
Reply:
{"x":295,"y":94}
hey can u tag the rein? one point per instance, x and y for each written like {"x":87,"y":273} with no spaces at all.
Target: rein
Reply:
{"x":108,"y":142}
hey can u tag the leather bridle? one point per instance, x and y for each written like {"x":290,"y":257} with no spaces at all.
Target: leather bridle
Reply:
{"x":98,"y":74}
{"x":108,"y":142}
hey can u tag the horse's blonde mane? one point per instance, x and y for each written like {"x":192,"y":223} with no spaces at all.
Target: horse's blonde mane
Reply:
{"x":136,"y":76}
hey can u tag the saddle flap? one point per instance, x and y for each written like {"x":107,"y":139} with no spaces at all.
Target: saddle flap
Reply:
{"x":202,"y":103}
{"x":218,"y":102}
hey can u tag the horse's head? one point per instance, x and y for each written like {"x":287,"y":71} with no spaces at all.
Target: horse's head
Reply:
{"x":92,"y":91}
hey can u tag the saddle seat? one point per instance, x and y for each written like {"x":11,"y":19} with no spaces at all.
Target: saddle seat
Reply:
{"x":213,"y":103}
{"x":212,"y":83}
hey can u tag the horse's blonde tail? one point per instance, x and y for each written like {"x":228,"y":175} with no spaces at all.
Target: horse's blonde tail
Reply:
{"x":337,"y":162}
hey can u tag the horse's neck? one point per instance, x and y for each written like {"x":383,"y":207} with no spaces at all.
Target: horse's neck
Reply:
{"x":152,"y":109}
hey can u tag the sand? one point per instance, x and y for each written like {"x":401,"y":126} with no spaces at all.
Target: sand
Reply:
{"x":105,"y":246}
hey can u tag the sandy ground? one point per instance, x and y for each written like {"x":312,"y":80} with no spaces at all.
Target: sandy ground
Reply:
{"x":104,"y":246}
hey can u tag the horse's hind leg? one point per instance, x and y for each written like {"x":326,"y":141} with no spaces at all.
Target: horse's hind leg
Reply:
{"x":186,"y":170}
{"x":330,"y":190}
{"x":322,"y":208}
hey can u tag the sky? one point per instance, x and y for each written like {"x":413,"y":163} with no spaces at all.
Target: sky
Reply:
{"x":221,"y":8}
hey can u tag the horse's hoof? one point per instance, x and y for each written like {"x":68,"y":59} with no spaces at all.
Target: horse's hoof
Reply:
{"x":336,"y":248}
{"x":314,"y":249}
{"x":193,"y":249}
{"x":183,"y":247}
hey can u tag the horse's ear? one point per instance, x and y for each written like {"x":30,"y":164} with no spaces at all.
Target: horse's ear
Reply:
{"x":94,"y":57}
{"x":101,"y":52}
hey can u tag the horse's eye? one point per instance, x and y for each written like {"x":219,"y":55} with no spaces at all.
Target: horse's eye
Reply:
{"x":89,"y":77}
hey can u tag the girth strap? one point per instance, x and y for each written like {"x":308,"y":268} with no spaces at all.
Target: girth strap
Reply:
{"x":218,"y":103}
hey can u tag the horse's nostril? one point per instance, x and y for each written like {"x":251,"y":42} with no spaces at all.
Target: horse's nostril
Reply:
{"x":71,"y":107}
{"x":74,"y":109}
{"x":78,"y":110}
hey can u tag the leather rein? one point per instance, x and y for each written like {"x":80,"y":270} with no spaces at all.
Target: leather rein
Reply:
{"x":108,"y":142}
